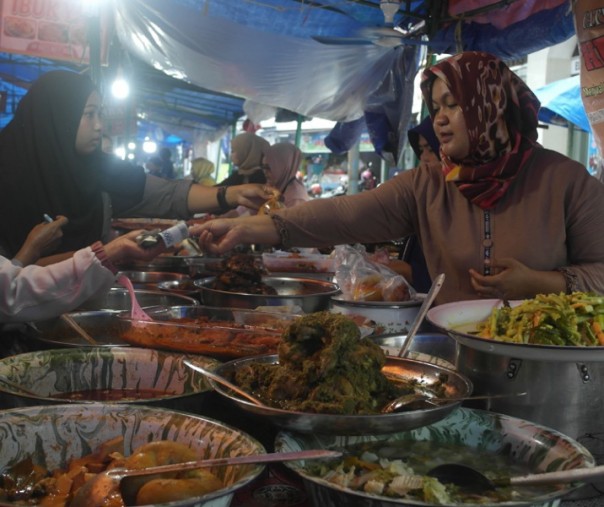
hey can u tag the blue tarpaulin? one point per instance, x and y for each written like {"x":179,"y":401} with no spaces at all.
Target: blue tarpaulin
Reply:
{"x":561,"y":103}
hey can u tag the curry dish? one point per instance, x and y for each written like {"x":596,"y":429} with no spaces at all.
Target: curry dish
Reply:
{"x":29,"y":484}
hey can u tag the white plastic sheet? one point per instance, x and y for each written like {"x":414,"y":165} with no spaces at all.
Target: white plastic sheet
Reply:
{"x":300,"y":75}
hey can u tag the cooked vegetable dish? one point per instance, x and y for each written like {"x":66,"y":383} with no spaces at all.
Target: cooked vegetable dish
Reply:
{"x":325,"y":367}
{"x":575,"y":319}
{"x":397,"y":470}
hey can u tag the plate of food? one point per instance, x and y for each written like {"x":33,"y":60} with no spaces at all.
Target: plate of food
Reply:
{"x":327,"y":379}
{"x":218,"y":332}
{"x":376,"y":468}
{"x":549,"y":327}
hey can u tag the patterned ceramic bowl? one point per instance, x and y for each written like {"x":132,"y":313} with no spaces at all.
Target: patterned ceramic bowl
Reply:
{"x":55,"y":435}
{"x":112,"y":375}
{"x":474,"y":437}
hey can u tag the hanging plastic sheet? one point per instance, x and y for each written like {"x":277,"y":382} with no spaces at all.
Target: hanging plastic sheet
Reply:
{"x":297,"y":74}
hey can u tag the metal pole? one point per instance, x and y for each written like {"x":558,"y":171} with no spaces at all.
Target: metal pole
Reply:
{"x":233,"y":134}
{"x":94,"y":44}
{"x":353,"y":169}
{"x":298,"y":131}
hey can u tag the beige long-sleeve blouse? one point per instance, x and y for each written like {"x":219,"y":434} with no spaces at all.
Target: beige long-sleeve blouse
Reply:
{"x":552,"y":217}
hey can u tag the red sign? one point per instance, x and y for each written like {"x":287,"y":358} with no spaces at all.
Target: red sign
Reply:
{"x":55,"y":29}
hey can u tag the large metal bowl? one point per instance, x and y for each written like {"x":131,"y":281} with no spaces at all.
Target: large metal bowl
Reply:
{"x":194,"y":265}
{"x":53,"y":436}
{"x":529,"y":445}
{"x":118,"y":299}
{"x":430,"y":347}
{"x":389,"y":317}
{"x":461,"y":318}
{"x":149,"y":280}
{"x":307,"y":294}
{"x":102,"y":326}
{"x":427,"y":374}
{"x":112,"y":375}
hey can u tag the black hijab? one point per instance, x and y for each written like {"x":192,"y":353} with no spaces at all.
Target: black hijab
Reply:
{"x":40,"y":171}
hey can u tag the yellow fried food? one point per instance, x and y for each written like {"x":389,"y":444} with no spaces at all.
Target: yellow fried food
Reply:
{"x":169,"y":486}
{"x":200,"y":482}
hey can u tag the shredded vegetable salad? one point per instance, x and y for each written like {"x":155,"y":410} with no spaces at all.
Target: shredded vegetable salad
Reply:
{"x":575,"y":319}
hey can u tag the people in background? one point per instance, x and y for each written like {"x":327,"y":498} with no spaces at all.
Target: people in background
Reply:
{"x":499,"y":215}
{"x":167,"y":166}
{"x":202,"y":171}
{"x":424,"y":142}
{"x":368,"y":180}
{"x":247,"y":150}
{"x":51,"y":160}
{"x":281,"y":163}
{"x":425,"y":145}
{"x":154,"y":167}
{"x":31,"y":292}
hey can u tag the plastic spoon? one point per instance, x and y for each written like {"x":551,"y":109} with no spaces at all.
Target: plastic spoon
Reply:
{"x":421,"y":315}
{"x":136,"y":313}
{"x":95,"y":491}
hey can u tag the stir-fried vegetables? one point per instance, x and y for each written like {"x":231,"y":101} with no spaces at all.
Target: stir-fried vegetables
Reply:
{"x":575,"y":319}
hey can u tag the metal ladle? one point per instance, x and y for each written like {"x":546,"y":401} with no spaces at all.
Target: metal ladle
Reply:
{"x":95,"y":491}
{"x":407,"y":399}
{"x":423,"y":310}
{"x":469,"y":478}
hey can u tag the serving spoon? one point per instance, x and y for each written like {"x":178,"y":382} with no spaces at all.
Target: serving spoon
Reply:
{"x":421,"y":314}
{"x":407,"y":399}
{"x":221,"y":380}
{"x":467,"y":477}
{"x":95,"y":491}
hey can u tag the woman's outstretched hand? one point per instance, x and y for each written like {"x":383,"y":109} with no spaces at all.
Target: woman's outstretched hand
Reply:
{"x":223,"y":234}
{"x":250,"y":195}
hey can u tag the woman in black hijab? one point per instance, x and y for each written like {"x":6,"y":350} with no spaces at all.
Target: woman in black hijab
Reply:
{"x":41,"y":171}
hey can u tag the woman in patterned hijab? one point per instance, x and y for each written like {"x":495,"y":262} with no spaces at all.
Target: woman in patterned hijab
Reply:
{"x":500,"y":114}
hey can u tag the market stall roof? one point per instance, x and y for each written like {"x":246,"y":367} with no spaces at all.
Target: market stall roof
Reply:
{"x":335,"y":59}
{"x":174,"y":106}
{"x":199,"y":65}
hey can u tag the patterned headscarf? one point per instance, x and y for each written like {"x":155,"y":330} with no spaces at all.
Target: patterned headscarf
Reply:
{"x":500,"y":112}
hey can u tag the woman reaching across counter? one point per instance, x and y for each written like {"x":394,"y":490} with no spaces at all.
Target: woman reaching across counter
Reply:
{"x":500,"y":215}
{"x":31,"y":292}
{"x":51,"y":162}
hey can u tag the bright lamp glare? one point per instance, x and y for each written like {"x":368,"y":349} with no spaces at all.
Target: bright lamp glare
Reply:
{"x":131,"y":145}
{"x":149,"y":146}
{"x":130,"y":156}
{"x":121,"y":152}
{"x":120,"y":88}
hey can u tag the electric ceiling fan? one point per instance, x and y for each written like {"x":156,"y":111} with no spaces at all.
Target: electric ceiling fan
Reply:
{"x":387,"y":35}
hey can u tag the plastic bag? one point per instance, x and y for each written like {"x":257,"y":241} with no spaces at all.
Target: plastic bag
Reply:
{"x":361,"y":279}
